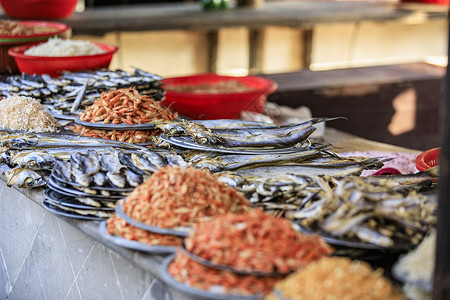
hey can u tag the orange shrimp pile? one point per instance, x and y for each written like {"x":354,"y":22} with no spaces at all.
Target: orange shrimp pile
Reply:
{"x":126,"y":106}
{"x":175,"y":196}
{"x":185,"y":270}
{"x":117,"y":226}
{"x":128,"y":136}
{"x":123,"y":106}
{"x":255,"y":241}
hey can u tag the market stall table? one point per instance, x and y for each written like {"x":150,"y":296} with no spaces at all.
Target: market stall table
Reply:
{"x":44,"y":256}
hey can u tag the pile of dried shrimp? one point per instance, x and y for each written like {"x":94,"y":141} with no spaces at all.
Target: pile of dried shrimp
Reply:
{"x":128,"y":136}
{"x":255,"y":241}
{"x":185,"y":270}
{"x":124,"y":106}
{"x":117,"y":226}
{"x":336,"y":278}
{"x":179,"y":197}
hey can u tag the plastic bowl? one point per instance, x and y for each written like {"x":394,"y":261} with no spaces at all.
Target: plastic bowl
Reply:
{"x":55,"y":65}
{"x":428,"y":159}
{"x":227,"y":105}
{"x":39,"y":9}
{"x":48,"y":29}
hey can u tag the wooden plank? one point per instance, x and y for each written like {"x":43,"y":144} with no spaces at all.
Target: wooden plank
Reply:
{"x":191,"y":16}
{"x":372,"y":99}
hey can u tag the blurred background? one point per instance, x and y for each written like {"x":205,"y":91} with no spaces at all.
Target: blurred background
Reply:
{"x":320,"y":46}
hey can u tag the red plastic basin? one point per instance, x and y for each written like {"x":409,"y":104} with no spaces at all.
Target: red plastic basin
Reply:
{"x":227,"y":105}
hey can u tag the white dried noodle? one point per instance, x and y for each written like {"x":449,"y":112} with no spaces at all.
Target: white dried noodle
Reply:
{"x":64,"y":47}
{"x":25,"y":113}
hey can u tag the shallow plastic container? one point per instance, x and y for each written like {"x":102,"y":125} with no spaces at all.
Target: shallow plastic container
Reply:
{"x":208,"y":106}
{"x":39,"y":9}
{"x":49,"y":29}
{"x":55,"y":65}
{"x":428,"y":159}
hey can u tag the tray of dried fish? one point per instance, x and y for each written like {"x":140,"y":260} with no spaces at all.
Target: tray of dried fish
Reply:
{"x":134,"y":245}
{"x":84,"y":192}
{"x":79,"y":202}
{"x":367,"y":212}
{"x":179,"y":231}
{"x":284,"y":138}
{"x":214,"y":293}
{"x":84,"y":214}
{"x":109,"y":126}
{"x":69,"y":93}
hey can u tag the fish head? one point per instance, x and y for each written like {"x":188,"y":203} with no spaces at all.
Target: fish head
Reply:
{"x":38,"y":161}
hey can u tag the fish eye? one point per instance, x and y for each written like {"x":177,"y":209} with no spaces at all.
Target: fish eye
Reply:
{"x":203,"y":140}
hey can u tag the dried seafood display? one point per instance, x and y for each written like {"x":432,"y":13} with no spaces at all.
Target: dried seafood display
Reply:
{"x":336,"y":278}
{"x":123,"y":106}
{"x":370,"y":211}
{"x":119,"y":227}
{"x":254,"y":242}
{"x":245,"y":253}
{"x":72,"y":91}
{"x":245,"y":203}
{"x":217,"y":281}
{"x":176,"y":197}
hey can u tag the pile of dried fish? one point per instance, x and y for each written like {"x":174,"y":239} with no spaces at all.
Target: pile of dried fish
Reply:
{"x":28,"y":158}
{"x":69,"y":93}
{"x":382,"y":211}
{"x":371,"y":211}
{"x":98,"y":179}
{"x":246,"y":137}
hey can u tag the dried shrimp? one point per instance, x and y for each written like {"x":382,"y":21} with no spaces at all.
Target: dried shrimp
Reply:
{"x":117,"y":226}
{"x":336,"y":278}
{"x":128,"y":136}
{"x":175,"y":196}
{"x":185,"y":270}
{"x":125,"y":106}
{"x":255,"y":241}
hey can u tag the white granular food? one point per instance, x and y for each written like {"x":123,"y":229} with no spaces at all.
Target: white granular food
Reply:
{"x":64,"y":47}
{"x":25,"y":113}
{"x":418,"y":264}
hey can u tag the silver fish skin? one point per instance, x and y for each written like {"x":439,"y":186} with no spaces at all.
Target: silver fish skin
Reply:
{"x":99,"y":179}
{"x":87,"y":164}
{"x":134,"y":179}
{"x":110,"y":162}
{"x":63,"y":169}
{"x":142,"y":163}
{"x":117,"y":179}
{"x":236,"y":161}
{"x":275,"y":130}
{"x":154,"y":158}
{"x":81,"y":178}
{"x":24,"y":178}
{"x":371,"y":236}
{"x":261,"y":140}
{"x":34,"y":161}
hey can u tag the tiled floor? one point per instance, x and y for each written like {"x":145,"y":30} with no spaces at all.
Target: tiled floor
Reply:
{"x":43,"y":257}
